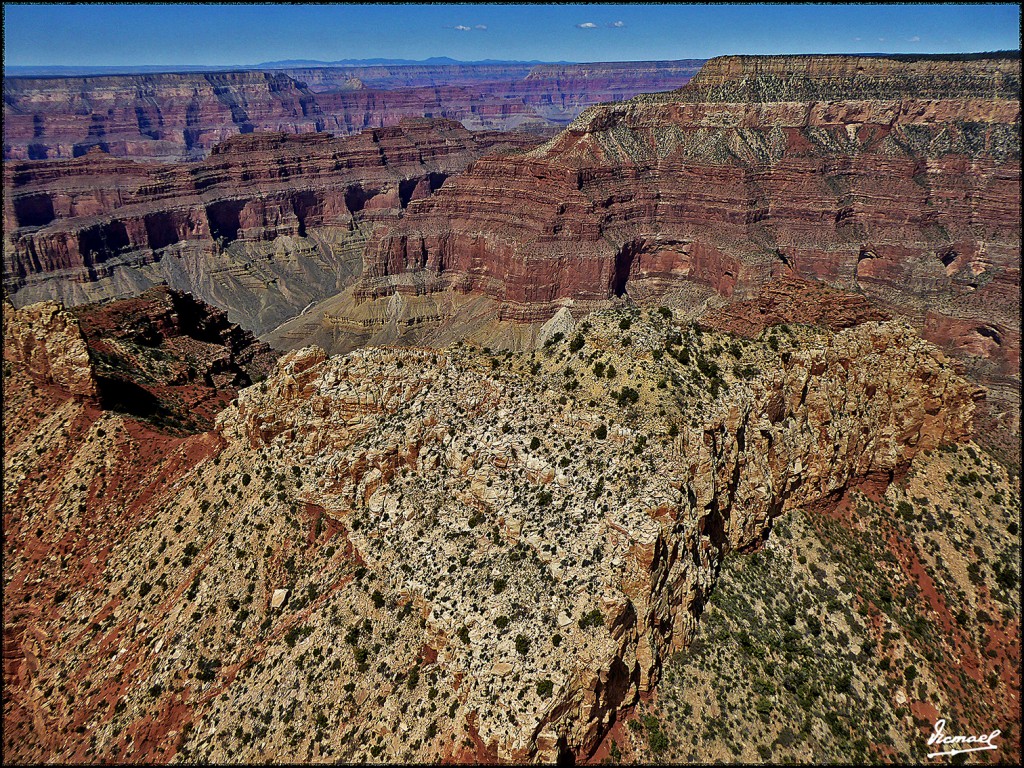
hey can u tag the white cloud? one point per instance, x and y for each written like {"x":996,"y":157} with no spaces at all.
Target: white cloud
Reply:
{"x":587,"y":25}
{"x":480,"y":26}
{"x":617,"y":25}
{"x":881,"y":39}
{"x":914,"y":39}
{"x":856,"y":39}
{"x":462,"y":27}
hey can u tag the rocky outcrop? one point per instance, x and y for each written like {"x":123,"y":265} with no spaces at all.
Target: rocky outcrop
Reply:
{"x":161,"y":356}
{"x":791,"y":300}
{"x":182,"y":116}
{"x":47,"y":340}
{"x":510,"y":544}
{"x":266,"y":225}
{"x":165,"y":357}
{"x":861,"y":405}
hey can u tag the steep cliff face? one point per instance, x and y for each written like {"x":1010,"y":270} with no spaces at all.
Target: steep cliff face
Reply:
{"x":818,"y":77}
{"x":46,"y":340}
{"x":505,"y":547}
{"x":264,"y":226}
{"x":171,"y":116}
{"x":897,"y":179}
{"x":183,"y":116}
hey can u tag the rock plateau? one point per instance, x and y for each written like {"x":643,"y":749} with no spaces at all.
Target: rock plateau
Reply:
{"x":413,"y":554}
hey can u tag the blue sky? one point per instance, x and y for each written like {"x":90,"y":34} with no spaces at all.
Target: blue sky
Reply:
{"x":247,"y":34}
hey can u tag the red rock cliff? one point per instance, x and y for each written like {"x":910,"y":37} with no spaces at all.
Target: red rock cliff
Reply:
{"x":182,"y":116}
{"x":898,"y":177}
{"x":98,"y":227}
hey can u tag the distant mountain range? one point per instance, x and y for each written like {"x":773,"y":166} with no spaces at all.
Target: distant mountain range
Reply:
{"x":432,"y":61}
{"x":82,"y":71}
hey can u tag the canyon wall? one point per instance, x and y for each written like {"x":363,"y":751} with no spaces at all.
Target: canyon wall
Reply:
{"x":182,"y":116}
{"x":266,"y":225}
{"x":729,"y":193}
{"x":895,"y":178}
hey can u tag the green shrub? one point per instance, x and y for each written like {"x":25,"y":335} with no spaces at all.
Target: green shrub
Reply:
{"x":522,"y":645}
{"x":656,"y":738}
{"x":628,"y":396}
{"x":592,"y":619}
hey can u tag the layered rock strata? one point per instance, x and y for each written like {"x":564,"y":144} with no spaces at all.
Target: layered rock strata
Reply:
{"x":437,"y":555}
{"x":183,"y":116}
{"x":266,"y":225}
{"x":897,"y":178}
{"x":728,"y":193}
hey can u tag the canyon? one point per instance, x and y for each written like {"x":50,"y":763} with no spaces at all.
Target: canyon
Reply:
{"x":182,"y":116}
{"x":434,"y":444}
{"x":266,"y":225}
{"x":706,"y":193}
{"x":899,"y":180}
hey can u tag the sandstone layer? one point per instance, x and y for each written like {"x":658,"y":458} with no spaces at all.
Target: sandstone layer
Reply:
{"x":413,"y":554}
{"x":182,"y":116}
